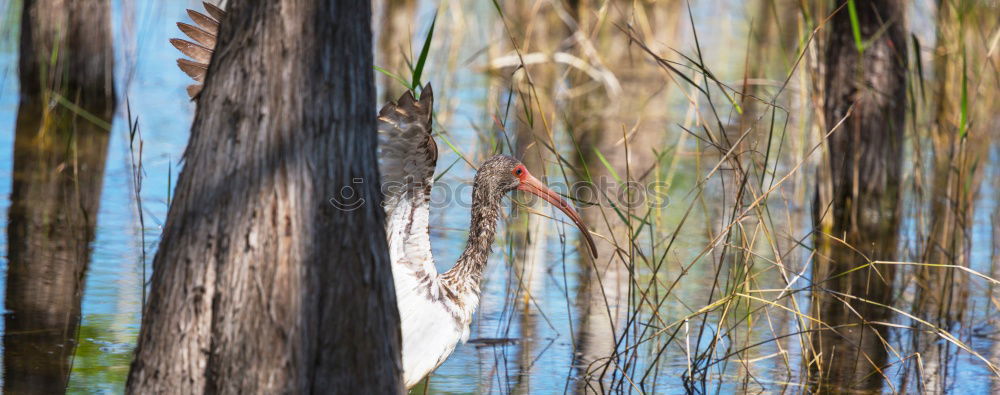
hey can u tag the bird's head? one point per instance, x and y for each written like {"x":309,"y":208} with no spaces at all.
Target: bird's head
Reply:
{"x":502,"y":174}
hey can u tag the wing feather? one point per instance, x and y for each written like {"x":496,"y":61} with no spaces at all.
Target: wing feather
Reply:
{"x":214,"y":11}
{"x":197,"y":52}
{"x":206,"y":22}
{"x":197,"y":34}
{"x":194,"y":70}
{"x":203,"y":45}
{"x":407,"y":157}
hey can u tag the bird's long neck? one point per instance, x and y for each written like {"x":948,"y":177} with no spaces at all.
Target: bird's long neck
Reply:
{"x":468,"y":271}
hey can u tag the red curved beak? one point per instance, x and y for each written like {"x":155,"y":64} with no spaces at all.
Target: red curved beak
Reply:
{"x":532,"y":185}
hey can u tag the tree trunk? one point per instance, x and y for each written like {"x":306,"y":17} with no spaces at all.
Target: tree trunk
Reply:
{"x":272,"y":274}
{"x":861,"y":205}
{"x":59,"y":155}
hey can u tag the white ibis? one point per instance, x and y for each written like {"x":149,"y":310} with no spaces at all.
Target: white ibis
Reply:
{"x":435,"y":309}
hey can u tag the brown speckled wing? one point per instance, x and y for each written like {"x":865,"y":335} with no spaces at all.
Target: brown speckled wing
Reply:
{"x":408,"y":153}
{"x":407,"y":157}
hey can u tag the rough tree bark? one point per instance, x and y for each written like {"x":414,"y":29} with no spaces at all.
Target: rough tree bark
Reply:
{"x":261,"y":284}
{"x":860,"y":202}
{"x":59,"y":155}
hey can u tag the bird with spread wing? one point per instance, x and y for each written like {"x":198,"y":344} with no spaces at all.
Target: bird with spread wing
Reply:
{"x":435,"y":309}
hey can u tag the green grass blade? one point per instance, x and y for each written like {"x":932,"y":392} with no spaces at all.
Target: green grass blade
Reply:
{"x":419,"y":68}
{"x":855,"y":26}
{"x":497,"y":6}
{"x":444,"y":137}
{"x":964,"y":120}
{"x":607,"y":165}
{"x":920,"y":65}
{"x":94,"y":119}
{"x":438,"y":177}
{"x":393,"y":76}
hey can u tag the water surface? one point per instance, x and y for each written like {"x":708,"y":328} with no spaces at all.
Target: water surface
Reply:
{"x":513,"y":348}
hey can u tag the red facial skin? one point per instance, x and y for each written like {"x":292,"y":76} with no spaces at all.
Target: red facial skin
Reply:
{"x":532,"y":185}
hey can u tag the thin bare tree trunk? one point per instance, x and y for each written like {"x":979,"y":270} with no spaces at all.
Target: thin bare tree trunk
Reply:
{"x":66,"y":58}
{"x":272,"y":274}
{"x":863,"y":207}
{"x":942,"y":293}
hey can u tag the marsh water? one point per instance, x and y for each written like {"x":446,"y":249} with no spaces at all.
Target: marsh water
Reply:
{"x":536,"y":330}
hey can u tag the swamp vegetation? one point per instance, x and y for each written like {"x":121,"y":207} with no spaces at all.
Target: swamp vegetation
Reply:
{"x":787,"y":196}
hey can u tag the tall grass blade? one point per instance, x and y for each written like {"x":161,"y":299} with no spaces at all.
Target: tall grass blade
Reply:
{"x":855,"y":26}
{"x":964,"y":118}
{"x":418,"y":69}
{"x":394,"y":76}
{"x":920,"y":65}
{"x":83,"y":113}
{"x":607,"y":165}
{"x":499,"y":9}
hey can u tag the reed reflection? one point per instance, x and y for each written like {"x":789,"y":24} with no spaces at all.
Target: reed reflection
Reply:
{"x":857,"y":207}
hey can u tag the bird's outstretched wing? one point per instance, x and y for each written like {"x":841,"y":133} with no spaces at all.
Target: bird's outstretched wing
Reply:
{"x":407,"y":157}
{"x":201,"y":48}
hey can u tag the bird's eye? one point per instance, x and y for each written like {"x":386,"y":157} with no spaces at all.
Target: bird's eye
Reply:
{"x":518,"y":171}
